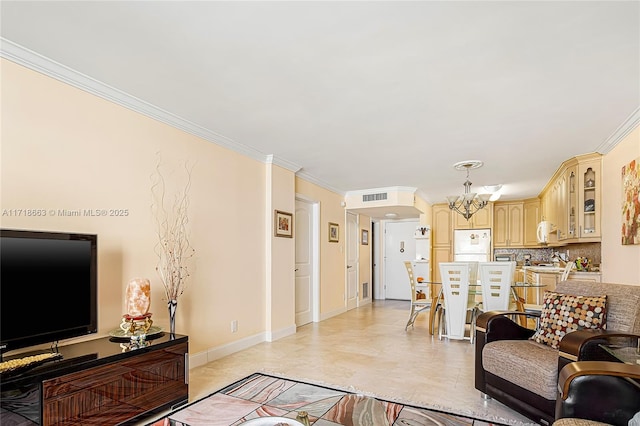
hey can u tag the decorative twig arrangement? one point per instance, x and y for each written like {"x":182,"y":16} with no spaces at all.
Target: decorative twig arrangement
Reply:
{"x":173,"y":247}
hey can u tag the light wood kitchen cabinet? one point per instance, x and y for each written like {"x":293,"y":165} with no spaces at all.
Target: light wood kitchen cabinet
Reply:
{"x":571,"y":201}
{"x":531,"y":214}
{"x":483,"y":218}
{"x":441,"y":230}
{"x":519,"y":276}
{"x":585,"y":276}
{"x":440,"y":254}
{"x":589,"y":178}
{"x":545,"y":205}
{"x":548,"y":280}
{"x":440,"y":238}
{"x":582,"y":209}
{"x":561,"y":206}
{"x":548,"y":204}
{"x":508,"y":230}
{"x":555,"y":198}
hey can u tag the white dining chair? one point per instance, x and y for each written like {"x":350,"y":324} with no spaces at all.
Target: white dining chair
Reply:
{"x":567,"y":270}
{"x":417,"y":305}
{"x":457,"y":305}
{"x":496,"y":279}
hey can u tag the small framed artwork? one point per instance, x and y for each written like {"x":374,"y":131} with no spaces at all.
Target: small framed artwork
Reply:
{"x":364,"y":239}
{"x":334,"y":232}
{"x":630,"y":211}
{"x":283,"y":224}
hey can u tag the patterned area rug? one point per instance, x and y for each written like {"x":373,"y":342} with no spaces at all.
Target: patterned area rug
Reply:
{"x":262,"y":395}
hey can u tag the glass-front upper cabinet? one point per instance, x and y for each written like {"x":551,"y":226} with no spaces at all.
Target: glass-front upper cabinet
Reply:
{"x":573,"y":203}
{"x":589,"y":178}
{"x":589,"y":223}
{"x":571,"y":200}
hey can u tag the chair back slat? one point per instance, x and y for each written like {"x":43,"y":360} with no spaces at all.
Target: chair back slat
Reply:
{"x":496,"y":279}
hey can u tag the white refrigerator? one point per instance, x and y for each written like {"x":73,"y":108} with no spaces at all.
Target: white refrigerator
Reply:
{"x":472,"y":245}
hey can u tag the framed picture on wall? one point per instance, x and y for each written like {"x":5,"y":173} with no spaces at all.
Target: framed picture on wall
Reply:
{"x":334,"y":232}
{"x":283,"y":224}
{"x":364,"y":239}
{"x":630,"y":211}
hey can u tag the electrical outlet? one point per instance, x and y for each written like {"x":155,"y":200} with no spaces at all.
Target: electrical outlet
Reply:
{"x":234,"y":326}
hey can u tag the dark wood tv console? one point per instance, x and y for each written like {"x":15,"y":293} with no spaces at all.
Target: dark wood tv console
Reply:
{"x":99,"y":382}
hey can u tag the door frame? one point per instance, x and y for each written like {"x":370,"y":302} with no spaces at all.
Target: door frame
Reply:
{"x":377,"y":247}
{"x":315,"y":254}
{"x":351,"y":239}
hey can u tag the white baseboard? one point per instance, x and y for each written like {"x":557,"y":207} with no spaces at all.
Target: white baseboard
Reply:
{"x":212,"y":354}
{"x":279,"y":334}
{"x":328,"y":315}
{"x":201,"y":358}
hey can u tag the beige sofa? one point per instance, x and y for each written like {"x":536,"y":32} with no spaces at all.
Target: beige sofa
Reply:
{"x":523,"y":374}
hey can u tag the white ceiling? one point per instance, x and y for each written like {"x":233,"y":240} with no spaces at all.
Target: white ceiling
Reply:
{"x":362,"y":94}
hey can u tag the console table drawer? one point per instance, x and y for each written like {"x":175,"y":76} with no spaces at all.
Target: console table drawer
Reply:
{"x":118,"y":391}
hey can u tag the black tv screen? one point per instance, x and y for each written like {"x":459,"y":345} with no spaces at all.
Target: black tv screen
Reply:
{"x":48,"y":287}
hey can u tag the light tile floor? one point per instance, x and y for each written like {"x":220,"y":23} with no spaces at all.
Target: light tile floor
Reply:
{"x":366,"y":350}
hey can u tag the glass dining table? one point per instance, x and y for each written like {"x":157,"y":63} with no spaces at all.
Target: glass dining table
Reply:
{"x":476,"y":289}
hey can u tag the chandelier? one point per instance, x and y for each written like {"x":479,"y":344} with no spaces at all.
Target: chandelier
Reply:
{"x":468,"y":203}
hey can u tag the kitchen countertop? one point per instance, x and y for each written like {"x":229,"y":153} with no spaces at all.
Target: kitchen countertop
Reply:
{"x":554,"y":270}
{"x":547,"y":269}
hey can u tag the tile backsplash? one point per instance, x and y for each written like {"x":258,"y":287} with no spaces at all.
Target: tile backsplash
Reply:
{"x":588,"y":250}
{"x":543,"y":255}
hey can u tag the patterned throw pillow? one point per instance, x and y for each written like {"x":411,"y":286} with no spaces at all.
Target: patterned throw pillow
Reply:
{"x":564,"y":313}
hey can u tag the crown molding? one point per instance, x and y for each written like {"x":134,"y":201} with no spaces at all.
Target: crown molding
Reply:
{"x":620,"y":133}
{"x":39,"y":63}
{"x":312,"y":179}
{"x":286,"y":164}
{"x":426,"y":198}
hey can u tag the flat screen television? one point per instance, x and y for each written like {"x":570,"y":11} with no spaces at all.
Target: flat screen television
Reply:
{"x":48,"y":287}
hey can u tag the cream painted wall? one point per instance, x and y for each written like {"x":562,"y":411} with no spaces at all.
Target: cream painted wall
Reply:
{"x":63,"y":148}
{"x":426,"y":208}
{"x":620,"y":264}
{"x":332,"y":258}
{"x":280,"y":285}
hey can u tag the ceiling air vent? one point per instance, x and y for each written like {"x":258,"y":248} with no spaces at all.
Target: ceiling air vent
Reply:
{"x":374,"y":197}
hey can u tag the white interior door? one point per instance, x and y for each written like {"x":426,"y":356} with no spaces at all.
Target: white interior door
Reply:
{"x":304,"y":240}
{"x":353,"y":256}
{"x":399,"y":245}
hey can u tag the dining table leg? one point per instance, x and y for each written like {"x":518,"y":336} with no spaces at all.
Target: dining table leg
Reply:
{"x":432,"y":314}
